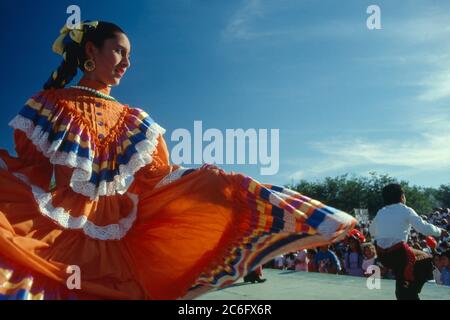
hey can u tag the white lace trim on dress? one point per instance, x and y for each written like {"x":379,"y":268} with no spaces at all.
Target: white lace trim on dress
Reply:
{"x":108,"y":232}
{"x":171,"y":177}
{"x":79,"y":181}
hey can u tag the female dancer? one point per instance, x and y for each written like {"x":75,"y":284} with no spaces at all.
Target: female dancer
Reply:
{"x":92,"y":194}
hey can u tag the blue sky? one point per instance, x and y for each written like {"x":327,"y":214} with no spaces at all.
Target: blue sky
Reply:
{"x":346,"y":99}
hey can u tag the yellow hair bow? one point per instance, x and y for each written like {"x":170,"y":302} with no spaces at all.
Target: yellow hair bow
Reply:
{"x":76,"y":34}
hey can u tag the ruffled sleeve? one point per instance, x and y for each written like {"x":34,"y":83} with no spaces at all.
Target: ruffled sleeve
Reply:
{"x":161,"y":154}
{"x":149,"y":176}
{"x":35,"y":165}
{"x":53,"y":124}
{"x":29,"y":162}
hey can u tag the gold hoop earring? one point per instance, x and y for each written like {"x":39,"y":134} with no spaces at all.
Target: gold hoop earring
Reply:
{"x":89,"y":65}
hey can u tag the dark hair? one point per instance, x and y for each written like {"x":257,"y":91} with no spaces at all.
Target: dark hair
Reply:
{"x":392,"y":193}
{"x":75,"y":55}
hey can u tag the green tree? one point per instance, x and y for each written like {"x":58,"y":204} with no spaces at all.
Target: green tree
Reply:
{"x":443,"y":196}
{"x":347,"y":192}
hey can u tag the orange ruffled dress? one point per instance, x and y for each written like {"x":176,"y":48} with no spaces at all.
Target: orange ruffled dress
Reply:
{"x":92,"y":187}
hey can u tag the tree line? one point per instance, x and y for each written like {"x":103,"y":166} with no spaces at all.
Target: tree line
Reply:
{"x":347,"y":192}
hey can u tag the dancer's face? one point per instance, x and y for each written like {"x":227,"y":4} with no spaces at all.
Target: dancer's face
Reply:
{"x":111,"y":61}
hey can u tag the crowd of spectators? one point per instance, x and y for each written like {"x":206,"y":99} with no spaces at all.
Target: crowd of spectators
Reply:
{"x":355,"y":255}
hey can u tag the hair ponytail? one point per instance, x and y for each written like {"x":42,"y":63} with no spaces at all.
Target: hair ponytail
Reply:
{"x":67,"y":70}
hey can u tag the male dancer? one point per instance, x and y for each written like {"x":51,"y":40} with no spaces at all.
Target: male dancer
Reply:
{"x":390,"y":229}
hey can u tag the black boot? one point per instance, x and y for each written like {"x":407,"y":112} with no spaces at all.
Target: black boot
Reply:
{"x":251,"y":277}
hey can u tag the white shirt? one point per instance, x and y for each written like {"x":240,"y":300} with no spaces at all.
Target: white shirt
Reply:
{"x":279,"y":261}
{"x":290,"y":262}
{"x":301,"y":263}
{"x":367,"y":263}
{"x":393,"y":223}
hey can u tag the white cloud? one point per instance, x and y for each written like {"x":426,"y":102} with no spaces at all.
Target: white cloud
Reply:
{"x":247,"y":23}
{"x":428,"y":72}
{"x":239,"y":25}
{"x":436,"y":85}
{"x":416,"y":43}
{"x":421,"y":26}
{"x":428,"y":151}
{"x":420,"y":45}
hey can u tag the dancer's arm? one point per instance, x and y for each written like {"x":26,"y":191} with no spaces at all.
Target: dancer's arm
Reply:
{"x":422,"y":226}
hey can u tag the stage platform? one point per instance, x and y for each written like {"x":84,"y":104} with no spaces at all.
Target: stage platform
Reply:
{"x":290,"y":285}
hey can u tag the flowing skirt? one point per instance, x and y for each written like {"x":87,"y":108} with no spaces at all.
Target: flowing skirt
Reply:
{"x":197,"y":230}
